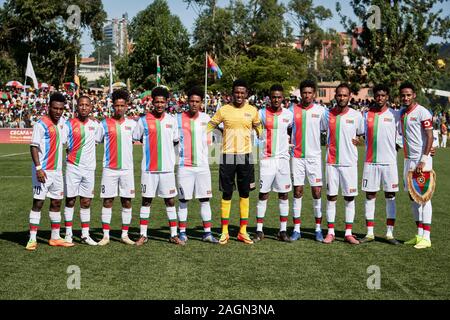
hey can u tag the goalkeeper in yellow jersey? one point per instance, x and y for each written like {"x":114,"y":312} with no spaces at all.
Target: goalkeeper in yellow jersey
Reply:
{"x":239,"y":119}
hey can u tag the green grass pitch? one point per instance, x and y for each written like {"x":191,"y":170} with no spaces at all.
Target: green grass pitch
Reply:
{"x":267,"y":270}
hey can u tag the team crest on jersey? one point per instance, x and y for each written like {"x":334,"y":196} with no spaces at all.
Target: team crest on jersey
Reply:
{"x":76,"y":130}
{"x":350,"y":121}
{"x":370,"y":119}
{"x":186,"y":125}
{"x":315,"y":115}
{"x":332,"y":120}
{"x":298,"y":116}
{"x":169,"y":126}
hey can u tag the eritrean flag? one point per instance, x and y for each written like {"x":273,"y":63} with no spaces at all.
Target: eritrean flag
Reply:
{"x":214,"y":67}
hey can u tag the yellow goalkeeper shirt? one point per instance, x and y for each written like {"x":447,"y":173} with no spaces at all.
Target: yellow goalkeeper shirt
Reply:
{"x":238,"y":125}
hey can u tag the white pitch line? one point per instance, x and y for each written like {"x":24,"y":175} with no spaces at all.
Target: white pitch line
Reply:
{"x":13,"y":154}
{"x":14,"y":177}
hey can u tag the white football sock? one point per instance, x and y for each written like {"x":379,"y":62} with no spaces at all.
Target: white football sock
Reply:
{"x":427,"y":215}
{"x":205,"y":212}
{"x":349,"y":216}
{"x":55,"y":218}
{"x":369,"y":206}
{"x":297,"y":212}
{"x":331,"y":215}
{"x":260,"y":214}
{"x":182,"y":216}
{"x":106,"y":221}
{"x":126,"y":221}
{"x":35,"y":219}
{"x":68,"y":220}
{"x":172,"y":216}
{"x":85,"y":217}
{"x":284,"y":212}
{"x":144,"y":217}
{"x":317,"y":207}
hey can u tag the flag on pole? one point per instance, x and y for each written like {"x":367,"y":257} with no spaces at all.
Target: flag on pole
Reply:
{"x":213,"y":66}
{"x":158,"y":72}
{"x":110,"y":86}
{"x":110,"y":75}
{"x":30,"y":73}
{"x":76,"y":78}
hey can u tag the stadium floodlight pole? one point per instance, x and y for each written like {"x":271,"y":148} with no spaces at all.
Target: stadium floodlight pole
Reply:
{"x":206,"y":80}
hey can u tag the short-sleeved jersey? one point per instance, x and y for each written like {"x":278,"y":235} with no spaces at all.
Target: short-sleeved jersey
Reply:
{"x":194,"y":140}
{"x":275,"y":133}
{"x":238,"y":124}
{"x":380,"y":129}
{"x":341,"y":129}
{"x":413,"y":123}
{"x":49,"y":138}
{"x":118,"y":143}
{"x":306,"y":131}
{"x":81,"y":142}
{"x":158,"y":136}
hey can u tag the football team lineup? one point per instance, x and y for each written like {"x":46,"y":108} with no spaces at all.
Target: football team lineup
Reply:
{"x":290,"y":156}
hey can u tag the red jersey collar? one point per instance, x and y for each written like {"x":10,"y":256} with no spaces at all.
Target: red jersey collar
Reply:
{"x":150,"y":116}
{"x":187,"y":114}
{"x":274,"y":112}
{"x":307,"y":108}
{"x":334,"y":111}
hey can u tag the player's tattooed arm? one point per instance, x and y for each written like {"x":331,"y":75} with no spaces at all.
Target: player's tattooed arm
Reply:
{"x":427,"y":151}
{"x":40,"y":174}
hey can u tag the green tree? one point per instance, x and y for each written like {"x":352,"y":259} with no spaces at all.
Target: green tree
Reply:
{"x":155,"y":31}
{"x":102,"y":50}
{"x":45,"y":29}
{"x":307,"y":18}
{"x":262,"y":67}
{"x":398,"y":49}
{"x":268,"y":24}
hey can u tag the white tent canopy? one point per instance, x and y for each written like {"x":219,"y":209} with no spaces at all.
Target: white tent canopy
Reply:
{"x":441,"y":93}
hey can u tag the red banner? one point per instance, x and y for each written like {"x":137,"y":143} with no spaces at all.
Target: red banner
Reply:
{"x":17,"y":136}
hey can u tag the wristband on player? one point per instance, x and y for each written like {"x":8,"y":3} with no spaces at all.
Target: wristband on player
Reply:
{"x":38,"y":168}
{"x":424,"y":158}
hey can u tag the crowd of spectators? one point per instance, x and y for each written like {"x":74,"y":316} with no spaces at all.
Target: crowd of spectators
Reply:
{"x":20,"y":110}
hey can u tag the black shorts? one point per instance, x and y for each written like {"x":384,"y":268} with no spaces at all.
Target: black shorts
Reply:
{"x":238,"y":167}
